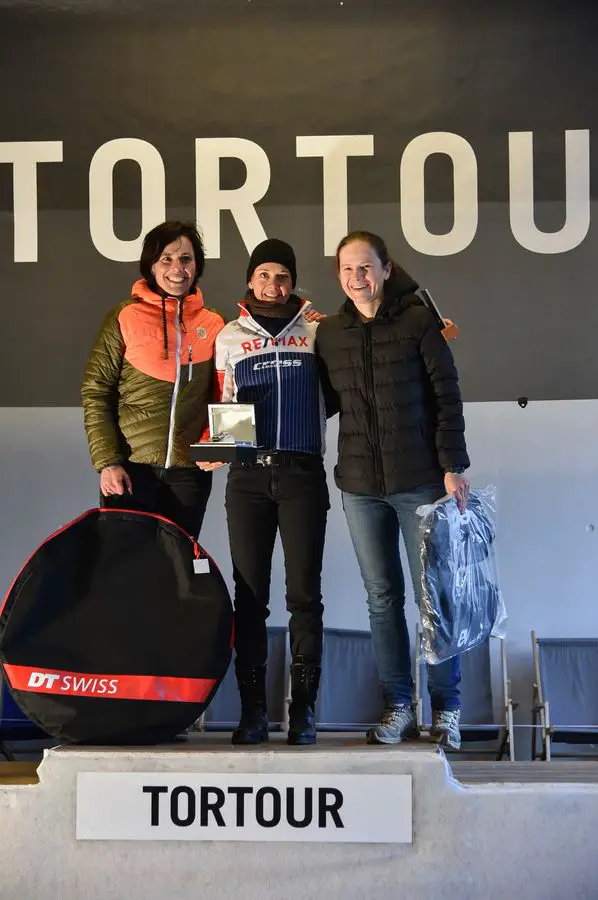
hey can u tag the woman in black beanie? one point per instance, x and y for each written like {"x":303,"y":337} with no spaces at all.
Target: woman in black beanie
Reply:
{"x":266,"y":357}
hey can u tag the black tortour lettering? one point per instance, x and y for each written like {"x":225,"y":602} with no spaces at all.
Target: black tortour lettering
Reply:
{"x":276,"y":807}
{"x":240,"y":793}
{"x":330,"y":801}
{"x":175,"y":815}
{"x":213,"y":806}
{"x":308,"y":808}
{"x":155,"y":790}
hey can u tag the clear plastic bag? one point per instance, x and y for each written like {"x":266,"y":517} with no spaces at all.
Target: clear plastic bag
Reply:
{"x":462,"y":604}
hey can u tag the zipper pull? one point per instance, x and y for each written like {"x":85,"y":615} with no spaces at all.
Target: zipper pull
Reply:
{"x":190,"y":361}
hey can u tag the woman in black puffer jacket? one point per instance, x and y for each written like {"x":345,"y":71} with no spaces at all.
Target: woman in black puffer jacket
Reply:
{"x":387,"y":369}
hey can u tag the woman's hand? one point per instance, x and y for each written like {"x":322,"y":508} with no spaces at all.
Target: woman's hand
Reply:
{"x":209,"y":466}
{"x":312,"y":315}
{"x":457,"y":486}
{"x":450,"y":330}
{"x":115,"y":480}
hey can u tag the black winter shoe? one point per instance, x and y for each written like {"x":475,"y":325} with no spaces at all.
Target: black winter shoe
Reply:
{"x":253,"y":727}
{"x":305,"y":679}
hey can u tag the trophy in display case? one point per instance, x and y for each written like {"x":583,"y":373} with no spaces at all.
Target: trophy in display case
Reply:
{"x":232,"y":434}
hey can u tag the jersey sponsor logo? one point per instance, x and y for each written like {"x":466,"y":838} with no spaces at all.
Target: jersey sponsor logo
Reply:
{"x":261,"y":343}
{"x":277,"y":364}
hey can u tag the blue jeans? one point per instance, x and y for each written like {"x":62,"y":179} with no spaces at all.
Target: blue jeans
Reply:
{"x":375,"y":524}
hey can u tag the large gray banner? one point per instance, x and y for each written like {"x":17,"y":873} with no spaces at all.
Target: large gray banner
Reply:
{"x":460,"y":133}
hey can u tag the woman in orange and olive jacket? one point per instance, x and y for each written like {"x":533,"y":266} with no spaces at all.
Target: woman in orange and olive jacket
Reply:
{"x":148,"y":383}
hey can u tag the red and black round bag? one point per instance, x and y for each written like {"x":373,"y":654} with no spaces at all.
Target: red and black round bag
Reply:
{"x":117,"y":630}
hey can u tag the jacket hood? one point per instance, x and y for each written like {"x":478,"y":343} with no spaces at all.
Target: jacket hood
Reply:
{"x":141,"y":291}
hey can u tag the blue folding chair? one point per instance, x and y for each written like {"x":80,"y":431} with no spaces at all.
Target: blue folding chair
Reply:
{"x":478,"y":720}
{"x":349,"y":698}
{"x":565,"y":706}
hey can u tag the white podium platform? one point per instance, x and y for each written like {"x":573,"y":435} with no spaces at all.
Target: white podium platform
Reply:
{"x":468,"y":842}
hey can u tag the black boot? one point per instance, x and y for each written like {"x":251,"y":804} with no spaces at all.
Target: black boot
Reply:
{"x":305,"y":678}
{"x":253,"y":727}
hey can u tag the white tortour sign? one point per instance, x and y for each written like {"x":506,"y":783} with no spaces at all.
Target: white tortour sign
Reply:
{"x":26,"y":157}
{"x":202,"y":807}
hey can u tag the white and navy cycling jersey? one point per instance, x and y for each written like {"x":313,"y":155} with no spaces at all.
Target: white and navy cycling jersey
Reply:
{"x":279,"y":375}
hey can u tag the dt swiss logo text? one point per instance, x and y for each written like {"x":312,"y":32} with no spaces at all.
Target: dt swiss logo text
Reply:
{"x":72,"y":684}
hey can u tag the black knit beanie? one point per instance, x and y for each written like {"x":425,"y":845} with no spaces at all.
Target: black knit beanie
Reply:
{"x":273,"y":251}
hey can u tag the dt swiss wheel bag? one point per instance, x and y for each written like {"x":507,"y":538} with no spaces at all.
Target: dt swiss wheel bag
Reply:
{"x":117,"y":630}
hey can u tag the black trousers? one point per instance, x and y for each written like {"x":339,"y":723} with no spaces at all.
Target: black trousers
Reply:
{"x":259,"y":501}
{"x":178,"y":494}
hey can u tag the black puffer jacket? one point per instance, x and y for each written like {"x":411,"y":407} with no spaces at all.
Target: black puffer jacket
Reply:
{"x":395,"y":384}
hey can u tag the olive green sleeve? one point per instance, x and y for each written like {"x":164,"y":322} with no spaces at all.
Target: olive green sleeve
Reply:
{"x":99,"y":394}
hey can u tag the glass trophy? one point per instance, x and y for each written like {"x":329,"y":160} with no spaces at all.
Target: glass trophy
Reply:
{"x":232,"y":434}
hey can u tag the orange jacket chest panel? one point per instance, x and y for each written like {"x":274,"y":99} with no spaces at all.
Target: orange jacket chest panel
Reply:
{"x":142,"y":329}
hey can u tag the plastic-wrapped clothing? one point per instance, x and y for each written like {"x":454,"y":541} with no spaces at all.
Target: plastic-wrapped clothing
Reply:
{"x":462,"y":603}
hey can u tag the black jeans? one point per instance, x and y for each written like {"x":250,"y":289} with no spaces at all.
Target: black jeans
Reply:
{"x":180,"y":495}
{"x":259,"y":501}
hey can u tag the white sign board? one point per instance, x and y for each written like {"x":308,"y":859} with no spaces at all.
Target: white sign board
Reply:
{"x":135,"y":806}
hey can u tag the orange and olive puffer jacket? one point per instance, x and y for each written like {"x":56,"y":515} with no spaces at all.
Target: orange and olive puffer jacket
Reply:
{"x":149,"y":379}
